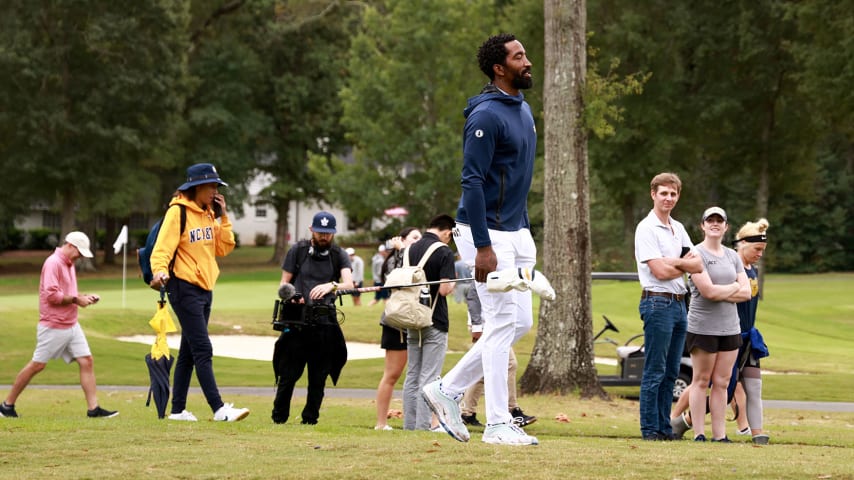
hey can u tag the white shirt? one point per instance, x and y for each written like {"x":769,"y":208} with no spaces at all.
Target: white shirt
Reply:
{"x":654,"y":239}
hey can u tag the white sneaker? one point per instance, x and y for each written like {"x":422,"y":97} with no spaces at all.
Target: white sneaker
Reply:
{"x":507,"y":434}
{"x":447,"y":409}
{"x":385,"y":428}
{"x":184,"y":416}
{"x":438,"y":429}
{"x":227,"y":413}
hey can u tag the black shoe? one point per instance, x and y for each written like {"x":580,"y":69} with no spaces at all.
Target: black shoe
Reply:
{"x":7,"y":410}
{"x":471,"y":420}
{"x":99,"y":412}
{"x":722,"y":440}
{"x":520,"y":419}
{"x":278,"y":417}
{"x":700,"y":438}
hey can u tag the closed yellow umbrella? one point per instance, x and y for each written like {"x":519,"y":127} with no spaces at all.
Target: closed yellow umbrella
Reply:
{"x":162,"y":324}
{"x":160,"y":360}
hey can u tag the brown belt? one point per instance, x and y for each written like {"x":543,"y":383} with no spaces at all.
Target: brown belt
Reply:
{"x":673,"y":296}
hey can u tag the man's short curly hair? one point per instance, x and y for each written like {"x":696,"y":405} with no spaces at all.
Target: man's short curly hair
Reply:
{"x":493,"y":52}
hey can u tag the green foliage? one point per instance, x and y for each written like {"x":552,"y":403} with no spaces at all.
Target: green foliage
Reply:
{"x":411,"y":69}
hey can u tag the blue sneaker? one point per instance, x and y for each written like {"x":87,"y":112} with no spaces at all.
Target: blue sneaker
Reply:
{"x":447,"y":409}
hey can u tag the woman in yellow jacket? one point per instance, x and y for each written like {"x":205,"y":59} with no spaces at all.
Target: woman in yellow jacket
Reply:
{"x":189,"y":256}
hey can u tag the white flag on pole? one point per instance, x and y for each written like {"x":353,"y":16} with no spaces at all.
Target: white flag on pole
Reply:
{"x":121,"y":240}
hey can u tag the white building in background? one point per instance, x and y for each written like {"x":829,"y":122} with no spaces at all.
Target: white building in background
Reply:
{"x":256,"y":219}
{"x":261,"y":218}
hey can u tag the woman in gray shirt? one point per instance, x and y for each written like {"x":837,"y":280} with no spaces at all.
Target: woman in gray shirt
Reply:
{"x":714,"y":333}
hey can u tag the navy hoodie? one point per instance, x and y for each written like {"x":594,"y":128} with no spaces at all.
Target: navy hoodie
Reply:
{"x":499,"y":146}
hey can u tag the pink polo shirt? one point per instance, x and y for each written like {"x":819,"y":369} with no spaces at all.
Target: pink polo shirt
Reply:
{"x":58,"y":279}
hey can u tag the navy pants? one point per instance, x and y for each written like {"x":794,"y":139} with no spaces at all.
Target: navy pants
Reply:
{"x":192,"y":305}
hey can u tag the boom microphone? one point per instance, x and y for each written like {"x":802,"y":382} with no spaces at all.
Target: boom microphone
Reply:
{"x":286,"y":292}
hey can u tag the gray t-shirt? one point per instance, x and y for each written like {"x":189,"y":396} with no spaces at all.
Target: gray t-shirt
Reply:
{"x":709,"y":317}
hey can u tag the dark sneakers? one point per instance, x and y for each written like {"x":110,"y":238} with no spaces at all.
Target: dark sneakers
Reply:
{"x":8,"y":411}
{"x":722,"y":440}
{"x":99,"y":412}
{"x":471,"y":420}
{"x":520,"y":419}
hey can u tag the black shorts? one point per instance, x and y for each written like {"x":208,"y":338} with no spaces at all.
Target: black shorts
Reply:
{"x":393,"y":339}
{"x":712,"y":343}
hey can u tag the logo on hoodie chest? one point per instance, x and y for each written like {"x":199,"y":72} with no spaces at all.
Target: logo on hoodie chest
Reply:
{"x":200,"y":234}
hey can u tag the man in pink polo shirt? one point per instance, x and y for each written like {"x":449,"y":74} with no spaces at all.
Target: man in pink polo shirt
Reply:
{"x":59,"y":334}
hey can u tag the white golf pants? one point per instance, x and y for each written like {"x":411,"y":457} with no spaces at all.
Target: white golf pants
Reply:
{"x":506,"y":318}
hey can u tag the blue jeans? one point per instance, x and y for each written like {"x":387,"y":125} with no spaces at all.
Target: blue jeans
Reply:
{"x":664,"y":327}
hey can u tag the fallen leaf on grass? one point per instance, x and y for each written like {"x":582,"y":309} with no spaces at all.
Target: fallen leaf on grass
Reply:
{"x":562,"y":418}
{"x":394,"y":414}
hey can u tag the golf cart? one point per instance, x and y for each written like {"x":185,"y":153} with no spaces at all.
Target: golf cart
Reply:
{"x":630,"y":360}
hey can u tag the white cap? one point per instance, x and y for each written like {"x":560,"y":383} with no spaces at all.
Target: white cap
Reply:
{"x":351,"y":251}
{"x":81,"y":241}
{"x":381,"y":248}
{"x":714,"y":211}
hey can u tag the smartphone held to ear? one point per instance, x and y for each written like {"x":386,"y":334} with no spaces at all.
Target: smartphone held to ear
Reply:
{"x":217,"y":209}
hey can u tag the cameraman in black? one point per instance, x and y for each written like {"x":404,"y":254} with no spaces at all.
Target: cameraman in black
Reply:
{"x":311,"y":334}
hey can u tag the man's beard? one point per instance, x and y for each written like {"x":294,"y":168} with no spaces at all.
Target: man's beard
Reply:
{"x":321,"y":243}
{"x":522,"y":83}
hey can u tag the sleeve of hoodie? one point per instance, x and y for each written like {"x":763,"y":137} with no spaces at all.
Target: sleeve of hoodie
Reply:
{"x":479,"y":137}
{"x":225,"y":236}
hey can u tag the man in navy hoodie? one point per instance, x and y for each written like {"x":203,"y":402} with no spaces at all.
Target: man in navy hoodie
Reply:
{"x":493,"y":233}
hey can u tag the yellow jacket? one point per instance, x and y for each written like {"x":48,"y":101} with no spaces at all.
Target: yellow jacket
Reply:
{"x":203,"y":240}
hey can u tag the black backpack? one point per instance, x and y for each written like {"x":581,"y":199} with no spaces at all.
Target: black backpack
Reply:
{"x":144,"y":253}
{"x":303,"y":251}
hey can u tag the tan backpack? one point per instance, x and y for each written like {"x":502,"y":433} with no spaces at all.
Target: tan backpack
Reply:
{"x":403,"y":309}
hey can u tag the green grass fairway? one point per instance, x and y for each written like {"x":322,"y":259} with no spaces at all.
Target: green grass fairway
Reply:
{"x":807,"y":321}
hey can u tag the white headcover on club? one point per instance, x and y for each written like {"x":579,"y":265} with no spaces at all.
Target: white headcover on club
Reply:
{"x":521,"y":279}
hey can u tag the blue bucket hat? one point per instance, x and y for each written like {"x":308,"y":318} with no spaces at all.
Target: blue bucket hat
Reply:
{"x":324,"y":222}
{"x":201,"y":173}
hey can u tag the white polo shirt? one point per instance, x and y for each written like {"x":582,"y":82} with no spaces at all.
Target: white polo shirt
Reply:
{"x":654,"y":239}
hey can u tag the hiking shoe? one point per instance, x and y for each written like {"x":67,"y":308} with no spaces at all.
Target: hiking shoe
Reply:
{"x":700,"y":438}
{"x":99,"y":412}
{"x":520,"y":419}
{"x":722,"y":440}
{"x":761,"y":439}
{"x":227,"y":413}
{"x":471,"y":420}
{"x":507,"y":434}
{"x":8,"y":410}
{"x":679,"y":426}
{"x":447,"y":409}
{"x":183,"y":416}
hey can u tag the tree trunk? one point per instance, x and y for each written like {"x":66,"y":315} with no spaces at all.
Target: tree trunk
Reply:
{"x":281,"y":245}
{"x":562,"y":359}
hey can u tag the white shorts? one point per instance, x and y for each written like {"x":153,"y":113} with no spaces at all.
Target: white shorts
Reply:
{"x":68,"y":343}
